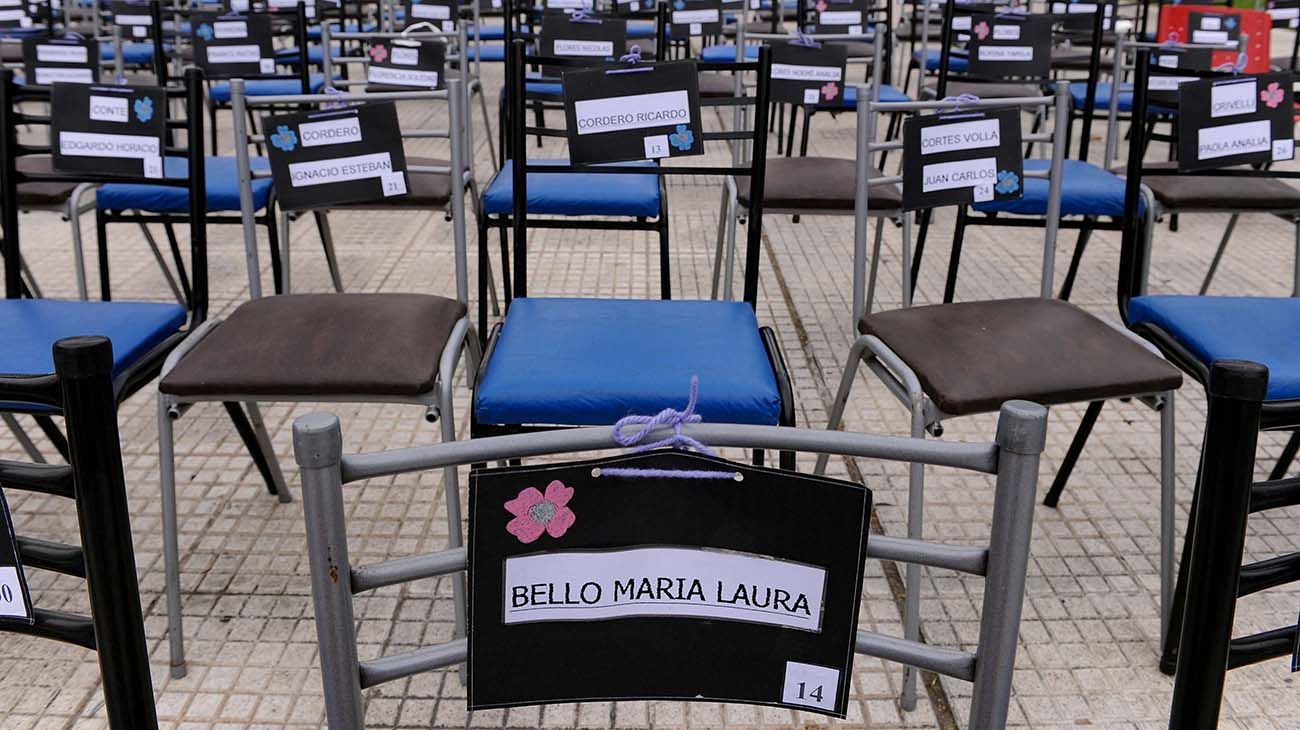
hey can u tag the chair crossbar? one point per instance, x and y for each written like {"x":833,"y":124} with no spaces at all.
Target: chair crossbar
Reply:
{"x":69,"y":628}
{"x":1274,"y":494}
{"x":52,"y":479}
{"x":1270,"y":573}
{"x":257,"y":101}
{"x":397,"y":666}
{"x":52,"y":556}
{"x":407,"y":569}
{"x":1246,"y":650}
{"x":938,"y":659}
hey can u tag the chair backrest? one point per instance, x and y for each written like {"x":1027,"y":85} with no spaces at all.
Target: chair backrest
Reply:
{"x":755,"y":169}
{"x":1135,"y":247}
{"x":292,"y":22}
{"x":1213,"y":574}
{"x":82,"y":389}
{"x":13,"y":116}
{"x":159,"y":60}
{"x":456,"y":42}
{"x":460,"y":170}
{"x":868,"y":115}
{"x":1013,"y":457}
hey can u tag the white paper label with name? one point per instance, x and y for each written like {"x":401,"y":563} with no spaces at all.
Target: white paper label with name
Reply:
{"x":12,"y":14}
{"x":795,"y":72}
{"x":1209,"y":36}
{"x":840,"y":17}
{"x":960,"y":136}
{"x":810,"y":685}
{"x":1006,"y":32}
{"x":431,"y":12}
{"x":46,"y":75}
{"x":11,"y":593}
{"x":1006,"y":53}
{"x":230,"y":29}
{"x":132,"y":19}
{"x":1166,"y":61}
{"x":342,"y":169}
{"x":1211,"y":22}
{"x":662,"y":581}
{"x":961,"y":22}
{"x":92,"y":144}
{"x":1234,"y":139}
{"x":638,"y":111}
{"x":234,"y":54}
{"x":690,"y":17}
{"x":109,"y":109}
{"x":1166,"y":83}
{"x":406,"y":56}
{"x":402,"y":77}
{"x":332,"y":131}
{"x":1227,"y":100}
{"x":595,"y":49}
{"x":959,"y":174}
{"x":61,"y":54}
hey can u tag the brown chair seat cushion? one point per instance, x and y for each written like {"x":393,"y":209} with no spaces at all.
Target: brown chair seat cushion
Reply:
{"x":821,"y":183}
{"x":856,"y":49}
{"x":972,"y":356}
{"x":908,"y":30}
{"x":989,"y":90}
{"x":42,"y":193}
{"x":11,"y":52}
{"x":715,"y":85}
{"x":1208,"y":192}
{"x":423,"y":190}
{"x":1077,"y":59}
{"x":379,"y":345}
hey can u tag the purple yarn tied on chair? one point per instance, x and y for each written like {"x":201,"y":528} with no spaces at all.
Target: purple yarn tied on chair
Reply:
{"x":677,"y":440}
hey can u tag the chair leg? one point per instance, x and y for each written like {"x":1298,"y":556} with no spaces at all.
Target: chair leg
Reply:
{"x":78,"y":249}
{"x":789,"y":140}
{"x":261,"y":458}
{"x":25,"y":441}
{"x":665,"y":266}
{"x":836,"y":415}
{"x":722,"y":235}
{"x":158,"y":258}
{"x":279,"y":487}
{"x":484,"y":267}
{"x":282,"y":234}
{"x":101,"y":245}
{"x":1287,"y":456}
{"x":875,"y":266}
{"x":1218,"y":253}
{"x":327,"y":243}
{"x":29,"y":277}
{"x":1168,"y":506}
{"x":1067,"y":287}
{"x":278,"y":264}
{"x":212,"y":126}
{"x":505,"y":265}
{"x":1169,"y":648}
{"x":487,"y":124}
{"x":171,"y":546}
{"x":54,"y":434}
{"x":174,"y":245}
{"x":912,"y":573}
{"x":451,"y":486}
{"x":1072,"y":454}
{"x":954,"y":257}
{"x":920,"y":246}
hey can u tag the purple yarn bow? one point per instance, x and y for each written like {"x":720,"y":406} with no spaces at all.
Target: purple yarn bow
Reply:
{"x":666,"y":417}
{"x":633,"y":55}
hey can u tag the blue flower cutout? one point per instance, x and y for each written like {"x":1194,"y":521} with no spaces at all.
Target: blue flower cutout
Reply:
{"x":1229,"y":23}
{"x":204,"y":31}
{"x":679,"y":4}
{"x":1008,"y":182}
{"x":143,"y":109}
{"x":683,"y":138}
{"x":284,"y":138}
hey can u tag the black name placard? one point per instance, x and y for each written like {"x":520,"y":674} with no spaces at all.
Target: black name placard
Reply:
{"x":1003,"y":45}
{"x":695,"y":18}
{"x":233,"y":46}
{"x":135,"y":19}
{"x":1239,"y":120}
{"x":595,"y":40}
{"x":114,"y":129}
{"x":959,"y":158}
{"x":1079,"y":16}
{"x":65,"y":59}
{"x":15,"y":599}
{"x":402,"y":63}
{"x":586,"y":584}
{"x":333,"y":157}
{"x":807,"y":74}
{"x":644,"y":111}
{"x":628,"y":7}
{"x":1213,"y":27}
{"x":441,"y":13}
{"x":835,"y":16}
{"x":566,"y":6}
{"x":16,"y":14}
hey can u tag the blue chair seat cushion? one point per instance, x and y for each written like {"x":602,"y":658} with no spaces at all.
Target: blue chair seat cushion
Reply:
{"x":1086,"y":189}
{"x":586,"y":362}
{"x":725,"y":52}
{"x":484,"y":52}
{"x":849,"y":100}
{"x":577,"y":193}
{"x":220,"y":91}
{"x":1101,"y":100}
{"x":1262,"y":329}
{"x":133,"y":54}
{"x":32,"y":326}
{"x":315,"y":54}
{"x":221,"y":178}
{"x":934,"y":59}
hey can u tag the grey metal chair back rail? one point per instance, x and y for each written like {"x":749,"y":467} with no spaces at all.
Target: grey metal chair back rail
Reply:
{"x":1012,"y":457}
{"x":460,"y":159}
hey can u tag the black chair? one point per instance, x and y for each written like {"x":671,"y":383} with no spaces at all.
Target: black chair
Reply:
{"x":81,"y":389}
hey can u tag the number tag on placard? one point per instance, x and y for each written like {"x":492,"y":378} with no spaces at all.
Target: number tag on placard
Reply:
{"x":65,"y":59}
{"x":15,"y":599}
{"x":835,"y":16}
{"x":695,"y":18}
{"x":135,"y":19}
{"x":804,"y":75}
{"x":405,"y":64}
{"x":229,"y":46}
{"x":588,"y":585}
{"x":962,"y":158}
{"x":644,"y":111}
{"x":327,"y":158}
{"x":628,"y":7}
{"x":597,"y":41}
{"x":1005,"y":45}
{"x":1239,"y":120}
{"x":442,"y":13}
{"x":113,"y":129}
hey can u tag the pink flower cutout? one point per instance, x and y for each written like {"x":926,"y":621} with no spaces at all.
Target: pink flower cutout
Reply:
{"x":379,"y":53}
{"x":536,"y":513}
{"x":830,"y":91}
{"x":821,"y":5}
{"x":982,"y":30}
{"x":1272,"y":96}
